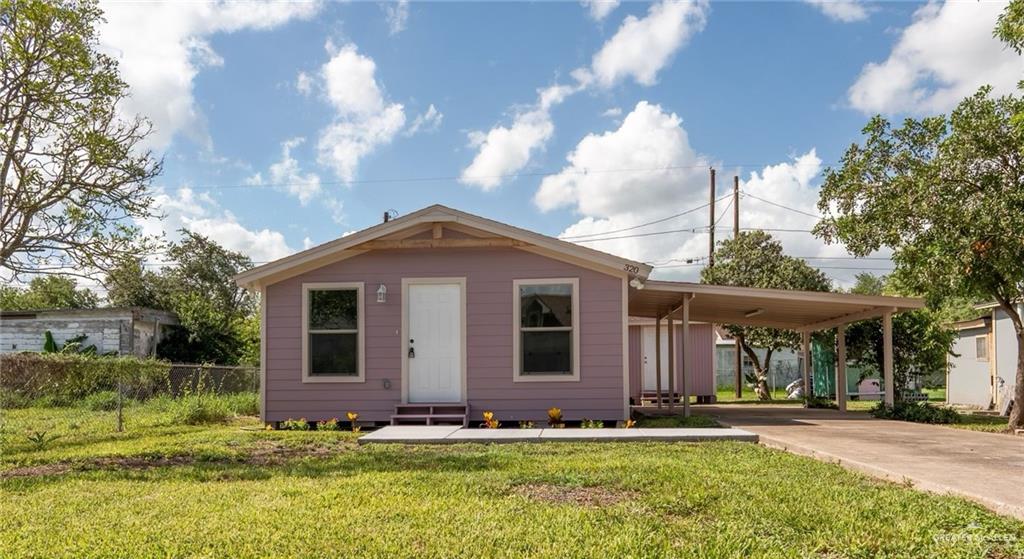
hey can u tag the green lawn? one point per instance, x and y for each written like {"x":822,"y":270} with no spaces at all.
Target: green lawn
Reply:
{"x":232,"y":490}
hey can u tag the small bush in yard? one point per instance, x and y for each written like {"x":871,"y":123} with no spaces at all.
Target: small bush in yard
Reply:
{"x":353,"y":418}
{"x":331,"y":424}
{"x":489,"y":421}
{"x":555,"y":418}
{"x":526,"y":424}
{"x":199,"y":409}
{"x":300,"y":424}
{"x":39,"y":438}
{"x":243,"y":403}
{"x":104,"y":400}
{"x":592,"y":423}
{"x":918,"y":412}
{"x":820,"y":403}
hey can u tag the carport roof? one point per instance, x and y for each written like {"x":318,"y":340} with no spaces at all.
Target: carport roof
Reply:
{"x":777,"y":308}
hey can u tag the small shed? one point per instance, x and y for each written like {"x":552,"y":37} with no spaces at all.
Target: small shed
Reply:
{"x":126,"y":331}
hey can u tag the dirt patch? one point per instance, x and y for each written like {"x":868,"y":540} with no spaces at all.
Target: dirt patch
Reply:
{"x":566,"y":495}
{"x":263,"y":453}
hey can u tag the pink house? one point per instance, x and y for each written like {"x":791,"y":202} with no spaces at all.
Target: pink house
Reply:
{"x":439,"y":315}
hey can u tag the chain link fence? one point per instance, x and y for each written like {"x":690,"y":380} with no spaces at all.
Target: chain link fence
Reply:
{"x":66,"y":379}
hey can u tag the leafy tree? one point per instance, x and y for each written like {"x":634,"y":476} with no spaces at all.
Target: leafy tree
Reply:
{"x":946,"y":194}
{"x":1010,"y":27}
{"x":130,"y":284}
{"x":218,"y":320}
{"x":73,"y":173}
{"x":755,"y":259}
{"x":921,"y":339}
{"x":47,"y":292}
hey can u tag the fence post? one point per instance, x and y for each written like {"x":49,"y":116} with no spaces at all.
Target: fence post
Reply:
{"x":120,"y":405}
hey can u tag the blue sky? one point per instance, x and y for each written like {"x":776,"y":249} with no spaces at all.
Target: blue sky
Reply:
{"x":284,"y":125}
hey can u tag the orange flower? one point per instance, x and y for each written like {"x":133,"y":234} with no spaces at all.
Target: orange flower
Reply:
{"x":352,"y":416}
{"x":488,"y":416}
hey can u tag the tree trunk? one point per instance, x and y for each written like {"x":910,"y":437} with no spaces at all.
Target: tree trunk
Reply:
{"x":760,"y":373}
{"x":1017,"y":414}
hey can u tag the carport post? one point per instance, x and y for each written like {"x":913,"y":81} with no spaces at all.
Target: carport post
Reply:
{"x":671,"y":364}
{"x":657,"y":357}
{"x":805,"y":366}
{"x":887,"y":373}
{"x":841,"y":367}
{"x":684,"y":357}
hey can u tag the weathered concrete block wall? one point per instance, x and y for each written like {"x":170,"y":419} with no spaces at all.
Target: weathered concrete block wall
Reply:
{"x":27,"y":334}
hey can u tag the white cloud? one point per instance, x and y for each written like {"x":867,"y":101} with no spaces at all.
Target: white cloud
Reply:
{"x":613,"y":112}
{"x":599,"y":9}
{"x":304,"y":83}
{"x":200,"y":213}
{"x":504,"y":150}
{"x":397,"y":15}
{"x":846,"y":11}
{"x":648,"y":138}
{"x":643,"y":46}
{"x":428,"y":121}
{"x":364,"y":119}
{"x":286,"y":172}
{"x":943,"y":56}
{"x":161,"y":47}
{"x":640,"y":49}
{"x":647,"y":169}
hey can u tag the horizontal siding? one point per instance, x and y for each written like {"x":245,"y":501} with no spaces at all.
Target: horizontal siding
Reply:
{"x":701,"y":375}
{"x":489,"y":298}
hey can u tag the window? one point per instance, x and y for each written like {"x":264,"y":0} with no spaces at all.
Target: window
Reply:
{"x":546,"y":334}
{"x":332,"y":332}
{"x":981,"y":348}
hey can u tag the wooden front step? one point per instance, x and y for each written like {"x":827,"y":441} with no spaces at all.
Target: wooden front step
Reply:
{"x":430,"y":414}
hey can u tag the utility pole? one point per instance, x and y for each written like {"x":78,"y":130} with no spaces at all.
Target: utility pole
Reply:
{"x":711,"y":222}
{"x":735,"y":235}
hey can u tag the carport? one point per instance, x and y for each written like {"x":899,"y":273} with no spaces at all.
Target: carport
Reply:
{"x":677,"y":304}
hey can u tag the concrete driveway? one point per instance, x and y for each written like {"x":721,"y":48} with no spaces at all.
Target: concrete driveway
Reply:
{"x":985,"y":467}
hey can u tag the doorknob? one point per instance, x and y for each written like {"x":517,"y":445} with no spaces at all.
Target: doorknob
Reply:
{"x":412,"y":352}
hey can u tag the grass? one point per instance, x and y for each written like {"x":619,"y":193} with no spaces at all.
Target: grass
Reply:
{"x":232,"y":490}
{"x":986,"y":423}
{"x":677,"y":421}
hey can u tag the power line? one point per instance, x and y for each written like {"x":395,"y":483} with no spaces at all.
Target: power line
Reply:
{"x":664,"y":219}
{"x":745,"y":193}
{"x":549,"y":173}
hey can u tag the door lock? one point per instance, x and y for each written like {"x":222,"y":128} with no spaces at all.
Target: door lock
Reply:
{"x":412,"y":350}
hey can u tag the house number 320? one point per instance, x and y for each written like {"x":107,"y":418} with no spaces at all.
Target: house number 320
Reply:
{"x":632,"y":269}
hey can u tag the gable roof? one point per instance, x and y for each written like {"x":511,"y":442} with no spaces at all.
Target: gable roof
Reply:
{"x":349,"y":246}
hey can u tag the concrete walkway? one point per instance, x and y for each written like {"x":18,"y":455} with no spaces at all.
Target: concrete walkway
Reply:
{"x":455,"y":434}
{"x":985,"y":467}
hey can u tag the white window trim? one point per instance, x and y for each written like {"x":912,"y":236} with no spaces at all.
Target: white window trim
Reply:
{"x":517,"y":375}
{"x":360,"y":325}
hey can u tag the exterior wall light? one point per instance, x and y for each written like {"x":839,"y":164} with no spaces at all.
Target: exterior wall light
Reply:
{"x":382,"y":294}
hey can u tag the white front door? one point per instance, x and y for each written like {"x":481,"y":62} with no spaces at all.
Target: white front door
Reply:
{"x":434,"y":349}
{"x":650,"y":365}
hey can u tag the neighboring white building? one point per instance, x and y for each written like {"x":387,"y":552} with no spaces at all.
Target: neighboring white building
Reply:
{"x":126,"y":331}
{"x":983,"y":372}
{"x":785,"y":367}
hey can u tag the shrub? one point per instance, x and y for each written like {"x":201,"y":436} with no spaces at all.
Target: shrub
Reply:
{"x":199,"y":409}
{"x":489,"y":421}
{"x":592,"y":423}
{"x":300,"y":424}
{"x":353,"y":418}
{"x":331,"y":424}
{"x":526,"y":424}
{"x":105,"y":400}
{"x":820,"y":403}
{"x":555,"y":418}
{"x":242,"y":403}
{"x":14,"y":400}
{"x":68,"y":378}
{"x":918,"y":412}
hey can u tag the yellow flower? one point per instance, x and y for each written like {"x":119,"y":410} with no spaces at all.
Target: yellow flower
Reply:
{"x":352,"y":416}
{"x":488,"y":416}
